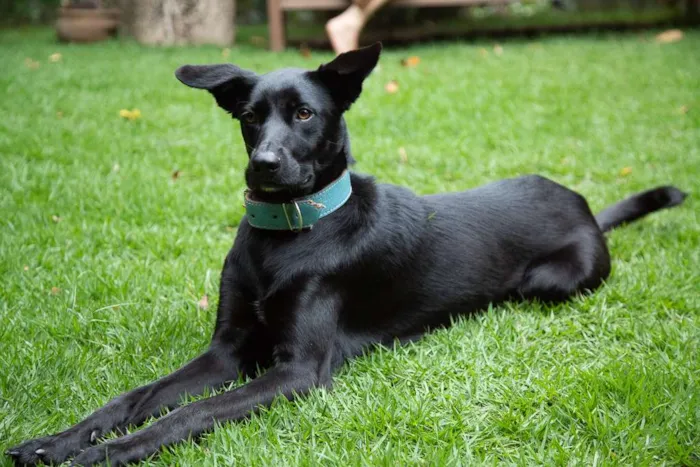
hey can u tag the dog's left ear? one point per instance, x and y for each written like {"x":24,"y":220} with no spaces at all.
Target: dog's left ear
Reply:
{"x":344,"y":75}
{"x":229,"y":84}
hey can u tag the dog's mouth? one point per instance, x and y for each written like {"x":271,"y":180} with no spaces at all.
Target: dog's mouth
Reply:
{"x":271,"y":188}
{"x":268,"y":187}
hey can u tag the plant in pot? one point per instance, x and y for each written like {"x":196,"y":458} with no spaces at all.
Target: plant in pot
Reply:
{"x":86,"y":21}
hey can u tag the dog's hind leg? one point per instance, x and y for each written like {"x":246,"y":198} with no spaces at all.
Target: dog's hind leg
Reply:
{"x":581,"y":263}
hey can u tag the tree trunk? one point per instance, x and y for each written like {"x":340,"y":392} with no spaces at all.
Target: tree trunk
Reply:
{"x":178,"y":22}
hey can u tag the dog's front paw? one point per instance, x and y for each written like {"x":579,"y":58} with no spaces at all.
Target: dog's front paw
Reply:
{"x":113,"y":453}
{"x":96,"y":455}
{"x":47,"y":450}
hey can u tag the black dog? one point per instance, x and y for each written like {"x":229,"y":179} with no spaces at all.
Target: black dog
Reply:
{"x":300,"y":297}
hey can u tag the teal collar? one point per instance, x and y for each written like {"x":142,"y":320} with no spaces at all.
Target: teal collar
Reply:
{"x":299,"y":213}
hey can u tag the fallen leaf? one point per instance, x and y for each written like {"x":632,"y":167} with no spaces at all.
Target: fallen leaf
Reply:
{"x":392,"y":86}
{"x":176,"y":174}
{"x":59,"y":114}
{"x":56,"y":218}
{"x":56,"y":57}
{"x":203,"y":302}
{"x":483,"y":52}
{"x":305,"y":51}
{"x":225,"y":52}
{"x":625,"y":171}
{"x":260,"y":41}
{"x":130,"y":114}
{"x":26,"y":268}
{"x":534,"y":45}
{"x":55,"y":290}
{"x":667,"y":37}
{"x":230,"y":228}
{"x":410,"y":62}
{"x":402,"y":155}
{"x":31,"y":64}
{"x":498,"y":50}
{"x":684,"y":109}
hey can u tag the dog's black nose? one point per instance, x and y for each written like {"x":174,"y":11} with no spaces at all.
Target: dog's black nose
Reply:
{"x":266,"y":161}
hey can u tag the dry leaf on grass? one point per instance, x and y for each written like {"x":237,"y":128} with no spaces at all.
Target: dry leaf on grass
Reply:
{"x":403,"y":157}
{"x":55,"y":290}
{"x":305,"y":51}
{"x":31,"y":64}
{"x":411,"y":62}
{"x":225,"y":52}
{"x":667,"y":37}
{"x":26,"y":268}
{"x":483,"y":52}
{"x":203,"y":302}
{"x":59,"y":114}
{"x":176,"y":174}
{"x":684,"y":109}
{"x":498,"y":50}
{"x":55,"y":58}
{"x":392,"y":87}
{"x":56,"y":218}
{"x":130,"y":114}
{"x":625,"y":171}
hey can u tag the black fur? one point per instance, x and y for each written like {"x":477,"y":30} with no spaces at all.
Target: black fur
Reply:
{"x":389,"y":265}
{"x":638,"y":206}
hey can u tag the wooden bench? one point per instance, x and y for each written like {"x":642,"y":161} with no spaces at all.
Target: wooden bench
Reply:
{"x":277,"y":8}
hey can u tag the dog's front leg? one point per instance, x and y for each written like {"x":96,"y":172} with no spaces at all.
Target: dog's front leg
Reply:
{"x":302,"y":356}
{"x":208,"y":370}
{"x":221,"y":363}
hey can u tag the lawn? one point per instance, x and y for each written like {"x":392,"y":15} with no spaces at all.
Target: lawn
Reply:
{"x":113,"y":230}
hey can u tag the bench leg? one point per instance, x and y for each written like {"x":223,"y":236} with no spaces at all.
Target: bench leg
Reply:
{"x":275,"y":22}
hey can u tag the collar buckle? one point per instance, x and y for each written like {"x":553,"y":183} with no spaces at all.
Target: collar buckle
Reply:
{"x":299,"y":216}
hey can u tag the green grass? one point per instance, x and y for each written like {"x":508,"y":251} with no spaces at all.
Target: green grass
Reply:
{"x":609,"y":379}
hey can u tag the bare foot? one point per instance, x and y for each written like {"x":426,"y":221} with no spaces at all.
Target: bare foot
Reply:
{"x":344,"y":29}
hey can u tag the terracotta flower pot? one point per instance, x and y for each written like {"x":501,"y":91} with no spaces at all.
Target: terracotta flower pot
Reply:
{"x":86,"y":24}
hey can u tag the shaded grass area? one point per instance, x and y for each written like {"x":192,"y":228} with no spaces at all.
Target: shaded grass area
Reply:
{"x":104,"y":255}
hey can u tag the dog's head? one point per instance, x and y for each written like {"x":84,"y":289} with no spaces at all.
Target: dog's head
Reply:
{"x":291,"y":119}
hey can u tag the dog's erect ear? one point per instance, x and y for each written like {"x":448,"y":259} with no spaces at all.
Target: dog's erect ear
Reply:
{"x":344,"y":75}
{"x":229,"y":84}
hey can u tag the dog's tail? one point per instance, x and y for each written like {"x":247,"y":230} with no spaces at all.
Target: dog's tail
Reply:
{"x":638,"y":206}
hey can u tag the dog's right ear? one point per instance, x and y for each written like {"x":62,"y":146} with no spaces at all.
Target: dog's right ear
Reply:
{"x":344,"y":76}
{"x":229,"y":84}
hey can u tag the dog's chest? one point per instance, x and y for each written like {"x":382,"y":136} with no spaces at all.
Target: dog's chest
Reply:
{"x":259,"y":310}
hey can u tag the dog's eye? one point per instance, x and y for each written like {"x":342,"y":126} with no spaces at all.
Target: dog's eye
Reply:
{"x":304,"y":114}
{"x":248,"y":117}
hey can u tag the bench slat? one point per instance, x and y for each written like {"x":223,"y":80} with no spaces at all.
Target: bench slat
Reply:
{"x":340,"y":4}
{"x":276,"y":9}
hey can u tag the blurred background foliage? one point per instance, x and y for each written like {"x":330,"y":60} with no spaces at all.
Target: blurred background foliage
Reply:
{"x":252,"y":12}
